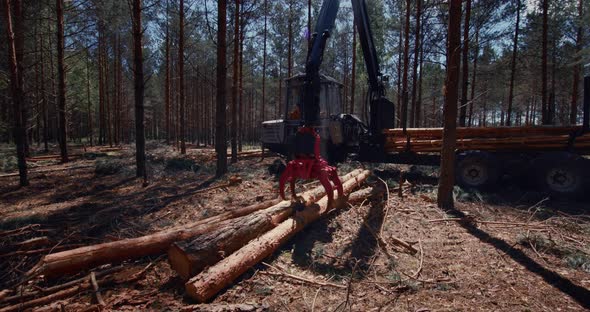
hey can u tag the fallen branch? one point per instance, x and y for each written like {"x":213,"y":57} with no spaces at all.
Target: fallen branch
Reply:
{"x":53,"y":289}
{"x":21,"y":230}
{"x":224,"y":307}
{"x":96,"y":290}
{"x":421,"y":260}
{"x":295,"y":277}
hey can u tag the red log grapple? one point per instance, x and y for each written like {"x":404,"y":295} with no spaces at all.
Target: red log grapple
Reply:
{"x":307,"y":167}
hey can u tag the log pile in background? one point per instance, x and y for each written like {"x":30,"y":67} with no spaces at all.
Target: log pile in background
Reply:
{"x":492,"y":139}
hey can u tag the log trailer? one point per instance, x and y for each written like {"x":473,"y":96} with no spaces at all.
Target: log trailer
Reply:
{"x":314,"y":127}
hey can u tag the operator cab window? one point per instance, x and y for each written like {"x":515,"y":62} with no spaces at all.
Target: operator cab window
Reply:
{"x":330,"y":98}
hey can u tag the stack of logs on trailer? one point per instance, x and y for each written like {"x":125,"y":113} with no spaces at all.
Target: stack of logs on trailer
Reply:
{"x":425,"y":140}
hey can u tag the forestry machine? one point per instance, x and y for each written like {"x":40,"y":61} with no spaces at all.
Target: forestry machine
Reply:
{"x":314,"y":126}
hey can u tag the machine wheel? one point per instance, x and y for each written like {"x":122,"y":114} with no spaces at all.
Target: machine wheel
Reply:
{"x":560,"y":173}
{"x":479,"y":170}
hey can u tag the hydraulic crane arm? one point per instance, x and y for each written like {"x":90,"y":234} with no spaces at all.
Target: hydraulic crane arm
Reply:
{"x":307,"y":162}
{"x":382,"y":110}
{"x":323,"y":28}
{"x":363,"y":26}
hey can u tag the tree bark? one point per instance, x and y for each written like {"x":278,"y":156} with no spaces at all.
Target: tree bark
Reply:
{"x":513,"y":66}
{"x":264,"y":62}
{"x":205,"y":285}
{"x":465,"y":66}
{"x":241,"y":113}
{"x":473,"y":76}
{"x":577,"y":67}
{"x":139,"y":87}
{"x":220,"y":136}
{"x":88,"y":101}
{"x":290,"y":40}
{"x":234,"y":90}
{"x":404,"y":117}
{"x":181,"y":78}
{"x":544,"y":104}
{"x":16,"y":84}
{"x":417,"y":39}
{"x":447,"y":164}
{"x":61,"y":74}
{"x":167,"y":74}
{"x":44,"y":98}
{"x":353,"y":74}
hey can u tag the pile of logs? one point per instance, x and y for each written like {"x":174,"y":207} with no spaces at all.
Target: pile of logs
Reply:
{"x":491,"y":139}
{"x":211,"y":253}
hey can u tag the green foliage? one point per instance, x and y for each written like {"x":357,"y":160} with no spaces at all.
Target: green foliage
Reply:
{"x":92,"y":155}
{"x":181,"y":164}
{"x":107,"y":166}
{"x":8,"y":163}
{"x":578,"y":260}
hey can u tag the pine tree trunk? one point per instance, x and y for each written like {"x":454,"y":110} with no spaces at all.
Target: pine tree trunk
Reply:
{"x":290,"y":40}
{"x":576,"y":79}
{"x":264,"y":62}
{"x":16,"y":84}
{"x":465,"y":66}
{"x":415,"y":64}
{"x":88,"y":102}
{"x":353,"y":74}
{"x":234,"y":90}
{"x":61,"y":73}
{"x":513,"y":66}
{"x":139,"y":87}
{"x":181,"y":80}
{"x":44,"y":98}
{"x":447,"y":164}
{"x":220,"y":136}
{"x":404,"y":115}
{"x":544,"y":104}
{"x":473,"y":76}
{"x":399,"y":66}
{"x":167,"y":74}
{"x":419,"y":101}
{"x":241,"y":113}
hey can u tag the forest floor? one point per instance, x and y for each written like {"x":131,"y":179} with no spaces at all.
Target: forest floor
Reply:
{"x":508,"y":250}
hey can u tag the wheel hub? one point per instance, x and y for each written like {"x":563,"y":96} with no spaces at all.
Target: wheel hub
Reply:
{"x":475,"y":175}
{"x":561,"y":180}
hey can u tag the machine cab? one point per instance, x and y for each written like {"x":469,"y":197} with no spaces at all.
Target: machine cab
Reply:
{"x":330,"y":97}
{"x":276,"y":132}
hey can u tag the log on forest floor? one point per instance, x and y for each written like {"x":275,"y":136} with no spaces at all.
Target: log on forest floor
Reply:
{"x":83,"y":258}
{"x":209,"y":282}
{"x":87,"y":257}
{"x":190,"y":257}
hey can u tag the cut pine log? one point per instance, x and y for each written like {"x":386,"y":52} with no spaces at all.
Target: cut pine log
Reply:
{"x":190,"y":257}
{"x":209,"y":282}
{"x":491,"y":132}
{"x":74,"y":260}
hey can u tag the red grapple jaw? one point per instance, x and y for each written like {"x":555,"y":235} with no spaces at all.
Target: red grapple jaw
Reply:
{"x":307,"y":167}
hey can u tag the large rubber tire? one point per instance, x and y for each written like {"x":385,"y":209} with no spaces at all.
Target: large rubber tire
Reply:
{"x":561,"y":174}
{"x":477,"y":170}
